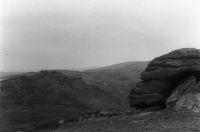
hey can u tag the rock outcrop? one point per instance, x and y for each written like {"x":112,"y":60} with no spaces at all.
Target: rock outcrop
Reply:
{"x":170,"y":80}
{"x":174,"y":65}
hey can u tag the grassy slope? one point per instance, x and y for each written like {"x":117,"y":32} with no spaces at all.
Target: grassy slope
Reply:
{"x":116,"y":79}
{"x":5,"y":75}
{"x":73,"y":97}
{"x":164,"y":121}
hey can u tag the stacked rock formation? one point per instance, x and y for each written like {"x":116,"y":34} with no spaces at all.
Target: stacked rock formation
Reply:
{"x":168,"y":79}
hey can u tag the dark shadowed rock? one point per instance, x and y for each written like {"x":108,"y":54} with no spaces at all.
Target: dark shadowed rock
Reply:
{"x":48,"y":124}
{"x":186,"y":85}
{"x":150,"y":93}
{"x":152,"y":86}
{"x":174,"y":65}
{"x":148,"y":100}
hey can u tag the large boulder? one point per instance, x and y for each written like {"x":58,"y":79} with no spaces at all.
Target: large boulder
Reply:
{"x":174,"y":65}
{"x":168,"y":79}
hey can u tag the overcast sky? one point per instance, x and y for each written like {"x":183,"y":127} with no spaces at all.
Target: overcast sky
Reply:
{"x":73,"y":34}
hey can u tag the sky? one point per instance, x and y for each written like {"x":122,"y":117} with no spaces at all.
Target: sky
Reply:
{"x":78,"y":34}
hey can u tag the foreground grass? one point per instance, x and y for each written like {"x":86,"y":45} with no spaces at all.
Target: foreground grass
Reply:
{"x":163,"y":121}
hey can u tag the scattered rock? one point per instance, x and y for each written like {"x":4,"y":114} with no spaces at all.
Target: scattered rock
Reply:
{"x":90,"y":115}
{"x":144,"y":114}
{"x":107,"y":113}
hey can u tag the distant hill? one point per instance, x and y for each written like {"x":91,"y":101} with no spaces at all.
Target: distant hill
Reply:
{"x":114,"y":78}
{"x":134,"y":65}
{"x":120,"y":76}
{"x":117,"y":79}
{"x":49,"y":95}
{"x":4,"y":75}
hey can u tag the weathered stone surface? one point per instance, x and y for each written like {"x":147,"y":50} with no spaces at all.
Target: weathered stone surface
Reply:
{"x":189,"y":101}
{"x":169,"y":73}
{"x":176,"y":64}
{"x":186,"y":95}
{"x":181,"y":89}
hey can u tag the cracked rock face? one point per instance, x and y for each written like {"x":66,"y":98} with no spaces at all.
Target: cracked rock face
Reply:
{"x":186,"y":95}
{"x":184,"y":87}
{"x":170,"y":80}
{"x":189,"y":101}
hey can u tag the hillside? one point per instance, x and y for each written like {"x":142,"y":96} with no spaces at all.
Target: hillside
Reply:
{"x":94,"y":89}
{"x":120,"y":76}
{"x":49,"y":95}
{"x":4,"y":75}
{"x":129,"y":66}
{"x":161,"y":121}
{"x":117,"y":78}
